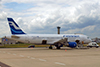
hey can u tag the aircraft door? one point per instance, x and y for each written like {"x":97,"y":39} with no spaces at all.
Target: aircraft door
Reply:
{"x":44,"y":41}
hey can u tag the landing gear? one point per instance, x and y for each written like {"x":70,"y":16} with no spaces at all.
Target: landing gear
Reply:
{"x":77,"y":41}
{"x":50,"y":47}
{"x":59,"y":45}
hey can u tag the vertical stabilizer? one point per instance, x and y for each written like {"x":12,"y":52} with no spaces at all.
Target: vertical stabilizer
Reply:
{"x":15,"y":29}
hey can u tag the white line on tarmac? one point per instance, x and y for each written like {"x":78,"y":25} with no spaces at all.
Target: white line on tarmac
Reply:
{"x":42,"y":60}
{"x":8,"y":53}
{"x":32,"y":58}
{"x":60,"y":63}
{"x":4,"y":52}
{"x":28,"y":56}
{"x":21,"y":56}
{"x":14,"y":54}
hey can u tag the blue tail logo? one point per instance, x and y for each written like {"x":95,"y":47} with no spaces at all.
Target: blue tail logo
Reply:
{"x":14,"y":27}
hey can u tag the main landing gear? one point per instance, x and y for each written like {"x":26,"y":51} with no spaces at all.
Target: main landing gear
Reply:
{"x":50,"y":47}
{"x":58,"y":46}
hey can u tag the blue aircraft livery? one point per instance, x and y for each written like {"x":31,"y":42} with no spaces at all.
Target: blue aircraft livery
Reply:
{"x":14,"y":27}
{"x":70,"y":35}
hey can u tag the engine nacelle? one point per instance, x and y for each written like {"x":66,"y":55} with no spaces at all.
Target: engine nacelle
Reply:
{"x":72,"y":44}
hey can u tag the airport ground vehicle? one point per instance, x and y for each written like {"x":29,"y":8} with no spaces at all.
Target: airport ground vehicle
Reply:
{"x":31,"y":46}
{"x":93,"y":44}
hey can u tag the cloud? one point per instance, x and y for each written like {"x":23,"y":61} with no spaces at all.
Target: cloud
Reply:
{"x":42,"y":16}
{"x":4,"y":29}
{"x":3,"y":16}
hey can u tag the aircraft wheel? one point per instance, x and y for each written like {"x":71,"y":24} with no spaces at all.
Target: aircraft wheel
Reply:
{"x":90,"y":46}
{"x":97,"y":47}
{"x":58,"y":47}
{"x":50,"y":47}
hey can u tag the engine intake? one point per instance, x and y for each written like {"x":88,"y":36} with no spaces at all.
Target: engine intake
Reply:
{"x":72,"y":44}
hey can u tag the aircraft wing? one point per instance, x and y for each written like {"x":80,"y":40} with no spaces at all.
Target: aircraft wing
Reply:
{"x":62,"y":41}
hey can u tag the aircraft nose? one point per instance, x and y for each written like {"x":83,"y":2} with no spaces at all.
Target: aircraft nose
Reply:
{"x":88,"y":41}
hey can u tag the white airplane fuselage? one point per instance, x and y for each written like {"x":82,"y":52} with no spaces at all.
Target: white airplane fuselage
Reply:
{"x":53,"y":39}
{"x":50,"y":38}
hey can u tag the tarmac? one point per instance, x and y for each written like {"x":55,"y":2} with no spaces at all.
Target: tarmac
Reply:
{"x":44,"y":57}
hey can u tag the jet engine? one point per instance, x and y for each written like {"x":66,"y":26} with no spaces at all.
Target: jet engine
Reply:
{"x":72,"y":44}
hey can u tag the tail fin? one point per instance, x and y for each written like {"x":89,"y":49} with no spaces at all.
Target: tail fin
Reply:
{"x":14,"y":27}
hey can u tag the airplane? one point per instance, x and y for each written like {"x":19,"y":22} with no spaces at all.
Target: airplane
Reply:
{"x":57,"y":40}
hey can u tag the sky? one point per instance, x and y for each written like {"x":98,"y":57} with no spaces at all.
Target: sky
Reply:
{"x":43,"y":16}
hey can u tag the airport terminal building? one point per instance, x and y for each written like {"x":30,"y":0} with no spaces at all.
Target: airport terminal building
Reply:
{"x":97,"y":40}
{"x":7,"y":41}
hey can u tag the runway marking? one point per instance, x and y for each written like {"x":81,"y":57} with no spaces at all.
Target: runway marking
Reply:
{"x":32,"y":58}
{"x":14,"y":54}
{"x":4,"y":52}
{"x":42,"y":60}
{"x":8,"y":53}
{"x":28,"y":56}
{"x":60,"y":63}
{"x":21,"y":56}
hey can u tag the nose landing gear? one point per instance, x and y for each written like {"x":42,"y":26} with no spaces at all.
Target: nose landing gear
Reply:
{"x":50,"y":47}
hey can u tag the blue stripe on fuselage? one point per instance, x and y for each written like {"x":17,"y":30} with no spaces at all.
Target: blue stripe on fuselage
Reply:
{"x":70,"y":35}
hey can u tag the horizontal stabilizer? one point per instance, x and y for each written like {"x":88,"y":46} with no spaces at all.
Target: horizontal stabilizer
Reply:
{"x":16,"y":37}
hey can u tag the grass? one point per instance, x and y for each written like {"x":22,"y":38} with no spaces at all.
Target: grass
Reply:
{"x":14,"y":45}
{"x":26,"y":45}
{"x":20,"y":45}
